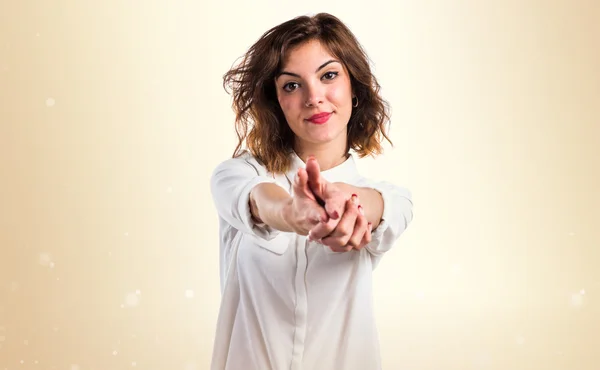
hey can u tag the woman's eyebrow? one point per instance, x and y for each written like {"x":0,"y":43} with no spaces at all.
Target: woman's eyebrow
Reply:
{"x":298,"y":76}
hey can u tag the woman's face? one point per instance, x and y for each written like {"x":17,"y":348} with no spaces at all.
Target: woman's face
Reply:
{"x":314,"y":92}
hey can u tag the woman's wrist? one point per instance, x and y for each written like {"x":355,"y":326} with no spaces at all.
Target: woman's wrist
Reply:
{"x":370,"y":199}
{"x":286,"y":215}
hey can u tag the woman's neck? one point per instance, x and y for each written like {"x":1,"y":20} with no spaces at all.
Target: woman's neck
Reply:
{"x":324,"y":157}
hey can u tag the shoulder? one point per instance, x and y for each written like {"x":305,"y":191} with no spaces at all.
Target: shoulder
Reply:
{"x":244,"y":165}
{"x":245,"y":160}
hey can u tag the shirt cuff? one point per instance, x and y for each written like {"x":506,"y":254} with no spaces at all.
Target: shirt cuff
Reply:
{"x":397,"y":213}
{"x":261,"y":230}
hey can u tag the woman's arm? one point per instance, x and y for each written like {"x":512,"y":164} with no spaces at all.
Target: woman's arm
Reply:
{"x":256,"y":205}
{"x":387,"y":207}
{"x":370,"y":199}
{"x":273,"y":206}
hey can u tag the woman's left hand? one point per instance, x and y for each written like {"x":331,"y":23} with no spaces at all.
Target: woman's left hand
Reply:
{"x":347,"y":227}
{"x":352,"y":231}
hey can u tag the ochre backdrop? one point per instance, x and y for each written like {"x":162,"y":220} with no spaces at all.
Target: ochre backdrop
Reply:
{"x":112,"y":117}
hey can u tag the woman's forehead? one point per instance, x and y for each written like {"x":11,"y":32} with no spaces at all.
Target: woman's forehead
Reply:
{"x":307,"y":55}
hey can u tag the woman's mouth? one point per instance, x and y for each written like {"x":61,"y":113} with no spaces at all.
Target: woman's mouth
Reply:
{"x":319,"y":118}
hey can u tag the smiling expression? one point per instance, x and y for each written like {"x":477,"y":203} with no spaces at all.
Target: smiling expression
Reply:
{"x":315,"y":95}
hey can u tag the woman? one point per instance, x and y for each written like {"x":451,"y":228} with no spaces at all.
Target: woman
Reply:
{"x":300,"y":230}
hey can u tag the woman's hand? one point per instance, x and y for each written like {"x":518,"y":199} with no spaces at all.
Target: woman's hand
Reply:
{"x":303,"y":212}
{"x":351,"y":231}
{"x":347,"y":227}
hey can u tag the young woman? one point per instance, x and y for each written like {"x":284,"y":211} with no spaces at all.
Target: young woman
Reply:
{"x":300,"y":229}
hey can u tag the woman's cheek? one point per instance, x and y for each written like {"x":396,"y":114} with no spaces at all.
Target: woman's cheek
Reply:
{"x":288,"y":106}
{"x":338,"y":95}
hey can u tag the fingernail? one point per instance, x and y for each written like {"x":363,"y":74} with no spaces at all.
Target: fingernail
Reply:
{"x":360,"y":209}
{"x":335,"y":215}
{"x":355,"y":198}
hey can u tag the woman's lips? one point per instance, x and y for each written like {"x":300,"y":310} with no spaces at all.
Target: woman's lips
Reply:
{"x":319,"y":118}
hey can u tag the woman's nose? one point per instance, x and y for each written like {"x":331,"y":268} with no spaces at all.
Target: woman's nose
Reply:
{"x":314,"y":96}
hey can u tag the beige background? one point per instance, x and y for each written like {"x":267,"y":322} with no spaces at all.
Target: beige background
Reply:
{"x":112,"y":117}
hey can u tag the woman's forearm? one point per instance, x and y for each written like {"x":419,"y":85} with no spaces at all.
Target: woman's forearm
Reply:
{"x":370,"y":200}
{"x":270,"y":204}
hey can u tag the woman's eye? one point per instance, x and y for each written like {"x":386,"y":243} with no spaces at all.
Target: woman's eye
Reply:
{"x":290,"y":86}
{"x":330,"y":75}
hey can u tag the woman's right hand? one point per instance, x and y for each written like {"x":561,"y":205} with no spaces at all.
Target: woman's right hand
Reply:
{"x":303,"y":212}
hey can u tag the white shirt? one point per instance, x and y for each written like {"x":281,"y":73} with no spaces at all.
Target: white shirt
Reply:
{"x":288,"y":303}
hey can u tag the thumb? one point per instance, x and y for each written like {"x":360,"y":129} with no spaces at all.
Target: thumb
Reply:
{"x":301,"y":185}
{"x":315,"y":181}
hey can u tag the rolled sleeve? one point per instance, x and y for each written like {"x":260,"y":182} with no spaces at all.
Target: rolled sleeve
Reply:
{"x":397,"y":214}
{"x":231,"y":183}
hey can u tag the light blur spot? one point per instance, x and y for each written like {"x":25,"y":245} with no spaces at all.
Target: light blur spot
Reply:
{"x":14,"y":286}
{"x":74,"y":367}
{"x":456,"y":269}
{"x":576,"y":300}
{"x":50,"y":102}
{"x":482,"y":360}
{"x":582,"y":292}
{"x":420,"y":295}
{"x":189,"y":293}
{"x":138,"y":292}
{"x":44,"y":259}
{"x":51,"y":264}
{"x":36,"y":362}
{"x":190,"y":366}
{"x":132,"y":300}
{"x":520,"y":340}
{"x":26,"y":342}
{"x":126,"y":234}
{"x":133,"y":363}
{"x":571,"y":233}
{"x":22,"y":361}
{"x":169,"y":189}
{"x":115,"y":353}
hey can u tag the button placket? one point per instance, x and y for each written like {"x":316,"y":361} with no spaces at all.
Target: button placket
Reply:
{"x":301,"y":303}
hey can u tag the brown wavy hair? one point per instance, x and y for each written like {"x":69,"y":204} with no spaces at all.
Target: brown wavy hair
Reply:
{"x":258,"y":117}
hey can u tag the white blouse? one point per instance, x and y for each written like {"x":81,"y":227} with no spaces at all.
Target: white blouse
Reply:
{"x":288,"y":303}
